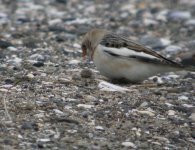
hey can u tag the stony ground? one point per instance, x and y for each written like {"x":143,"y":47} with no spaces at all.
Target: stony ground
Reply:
{"x":51,"y":100}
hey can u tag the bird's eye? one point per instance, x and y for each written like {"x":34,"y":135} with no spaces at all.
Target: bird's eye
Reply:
{"x":83,"y":46}
{"x":107,"y":44}
{"x":124,"y":44}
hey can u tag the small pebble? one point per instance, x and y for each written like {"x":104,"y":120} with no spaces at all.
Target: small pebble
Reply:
{"x":76,"y":77}
{"x":129,"y":144}
{"x":150,"y":22}
{"x":30,"y":76}
{"x":144,"y":104}
{"x":74,"y":62}
{"x":85,"y":106}
{"x":183,"y":97}
{"x":173,"y":49}
{"x":171,"y":112}
{"x":85,"y":114}
{"x":86,"y":73}
{"x":58,"y":112}
{"x":193,"y":134}
{"x":99,"y":128}
{"x":90,"y":98}
{"x":29,"y":125}
{"x":192,"y":117}
{"x":190,"y":22}
{"x":5,"y":44}
{"x":151,"y":114}
{"x":15,"y":61}
{"x":44,"y":140}
{"x":38,"y":64}
{"x":179,"y":15}
{"x":157,"y":79}
{"x":37,"y":57}
{"x":11,"y":48}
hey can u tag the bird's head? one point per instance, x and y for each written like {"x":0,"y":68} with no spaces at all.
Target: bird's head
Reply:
{"x":91,"y":41}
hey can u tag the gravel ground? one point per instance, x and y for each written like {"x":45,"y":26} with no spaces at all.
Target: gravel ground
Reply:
{"x":51,"y":99}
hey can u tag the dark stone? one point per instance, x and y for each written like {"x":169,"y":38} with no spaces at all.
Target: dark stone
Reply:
{"x":38,"y":64}
{"x":188,"y":60}
{"x":85,"y":114}
{"x":193,"y":134}
{"x":23,"y":20}
{"x":57,"y":28}
{"x":9,"y":81}
{"x":86,"y":73}
{"x":189,"y":75}
{"x":60,"y":38}
{"x":183,"y":109}
{"x":18,"y":34}
{"x":65,"y":52}
{"x":177,"y":121}
{"x":40,"y":144}
{"x":8,"y":142}
{"x":64,"y":119}
{"x":5,"y":44}
{"x":30,"y":42}
{"x":62,"y":1}
{"x":29,"y":125}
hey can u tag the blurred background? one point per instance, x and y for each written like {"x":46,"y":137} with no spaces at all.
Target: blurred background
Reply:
{"x":166,"y":26}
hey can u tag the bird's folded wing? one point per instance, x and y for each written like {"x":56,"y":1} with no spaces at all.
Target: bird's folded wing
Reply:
{"x":120,"y":46}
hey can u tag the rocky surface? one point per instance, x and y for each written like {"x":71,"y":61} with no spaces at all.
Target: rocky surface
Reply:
{"x":51,"y":99}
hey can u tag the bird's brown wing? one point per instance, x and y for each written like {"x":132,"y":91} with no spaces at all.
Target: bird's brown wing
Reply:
{"x":117,"y":41}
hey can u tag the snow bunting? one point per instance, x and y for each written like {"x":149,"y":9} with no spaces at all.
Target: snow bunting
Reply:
{"x":118,"y":57}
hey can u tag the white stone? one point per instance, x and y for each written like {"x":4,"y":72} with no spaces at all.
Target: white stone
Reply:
{"x":146,"y":112}
{"x":173,"y":49}
{"x":76,"y":45}
{"x":169,"y":104}
{"x":90,"y":98}
{"x":180,"y":15}
{"x":57,"y":111}
{"x":144,"y":104}
{"x":192,"y":116}
{"x":129,"y":144}
{"x":190,"y":22}
{"x":165,"y":42}
{"x":149,"y":22}
{"x":188,"y":105}
{"x":20,"y":136}
{"x":183,"y":97}
{"x":11,"y":48}
{"x":85,"y":106}
{"x":171,"y":112}
{"x":99,"y":128}
{"x":44,"y":140}
{"x":74,"y":62}
{"x":55,"y":21}
{"x":30,"y":75}
{"x":105,"y":86}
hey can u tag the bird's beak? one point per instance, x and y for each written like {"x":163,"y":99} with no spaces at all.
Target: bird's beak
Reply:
{"x":84,"y":53}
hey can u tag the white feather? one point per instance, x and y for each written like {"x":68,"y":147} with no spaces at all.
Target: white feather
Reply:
{"x":127,"y":52}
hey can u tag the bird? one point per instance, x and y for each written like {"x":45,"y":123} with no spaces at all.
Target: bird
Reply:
{"x":119,"y":58}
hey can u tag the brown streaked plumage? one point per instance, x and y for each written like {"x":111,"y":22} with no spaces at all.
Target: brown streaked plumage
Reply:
{"x":110,"y":52}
